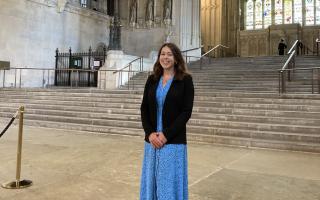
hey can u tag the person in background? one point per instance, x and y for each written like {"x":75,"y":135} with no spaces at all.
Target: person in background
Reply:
{"x":281,"y":47}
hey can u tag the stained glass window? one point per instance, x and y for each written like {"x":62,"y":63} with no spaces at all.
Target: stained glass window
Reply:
{"x":249,"y":16}
{"x":288,"y":11}
{"x":318,"y":12}
{"x":267,"y":13}
{"x":278,"y":12}
{"x":258,"y":13}
{"x":297,"y":6}
{"x":309,"y":12}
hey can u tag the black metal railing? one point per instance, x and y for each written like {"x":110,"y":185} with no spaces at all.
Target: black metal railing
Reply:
{"x":317,"y":46}
{"x":44,"y":77}
{"x":286,"y":73}
{"x":189,"y":58}
{"x":288,"y":68}
{"x":311,"y":77}
{"x":289,"y":64}
{"x":302,"y":48}
{"x":89,"y":62}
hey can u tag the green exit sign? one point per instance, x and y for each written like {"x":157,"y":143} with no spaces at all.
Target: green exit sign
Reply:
{"x":4,"y":65}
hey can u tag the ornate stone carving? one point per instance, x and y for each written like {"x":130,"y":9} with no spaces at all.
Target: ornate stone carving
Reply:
{"x":150,"y":13}
{"x":167,"y":12}
{"x":133,"y":13}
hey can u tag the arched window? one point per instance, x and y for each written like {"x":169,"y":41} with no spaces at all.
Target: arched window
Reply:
{"x":318,"y":12}
{"x":309,"y":12}
{"x":278,"y":12}
{"x":297,"y":7}
{"x":267,"y":13}
{"x":288,"y":11}
{"x":258,"y":15}
{"x":249,"y":15}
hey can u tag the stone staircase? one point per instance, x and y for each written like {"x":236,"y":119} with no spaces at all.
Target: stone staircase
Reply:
{"x":236,"y":103}
{"x":246,"y":74}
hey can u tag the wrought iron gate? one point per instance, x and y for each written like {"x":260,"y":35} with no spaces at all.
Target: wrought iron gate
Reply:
{"x":78,"y":69}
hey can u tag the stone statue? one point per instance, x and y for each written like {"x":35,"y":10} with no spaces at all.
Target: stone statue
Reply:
{"x":150,"y":13}
{"x":167,"y":12}
{"x":133,"y":13}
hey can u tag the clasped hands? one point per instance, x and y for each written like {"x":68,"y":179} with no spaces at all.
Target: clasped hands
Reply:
{"x":157,"y":139}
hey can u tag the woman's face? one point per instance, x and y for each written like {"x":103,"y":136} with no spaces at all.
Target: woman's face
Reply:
{"x":166,"y":58}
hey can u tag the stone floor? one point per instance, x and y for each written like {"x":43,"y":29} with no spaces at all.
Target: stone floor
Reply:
{"x":67,"y":165}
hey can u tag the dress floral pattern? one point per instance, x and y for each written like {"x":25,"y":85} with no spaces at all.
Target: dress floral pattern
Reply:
{"x":164,"y":171}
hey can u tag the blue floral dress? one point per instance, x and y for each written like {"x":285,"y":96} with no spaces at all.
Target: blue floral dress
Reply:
{"x":165,"y":170}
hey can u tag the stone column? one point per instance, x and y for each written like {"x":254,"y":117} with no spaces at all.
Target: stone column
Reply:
{"x":109,"y":80}
{"x":115,"y":29}
{"x":189,"y":24}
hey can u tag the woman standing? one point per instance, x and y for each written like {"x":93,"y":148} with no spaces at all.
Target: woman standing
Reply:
{"x":165,"y":110}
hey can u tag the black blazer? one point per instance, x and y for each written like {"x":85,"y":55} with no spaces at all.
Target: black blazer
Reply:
{"x":176,"y":112}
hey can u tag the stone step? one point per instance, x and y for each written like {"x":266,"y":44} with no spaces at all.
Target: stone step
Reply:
{"x":135,"y":103}
{"x":200,"y":110}
{"x":198,"y":92}
{"x":255,"y":143}
{"x":221,"y":98}
{"x":201,"y":123}
{"x":226,"y":83}
{"x":194,"y":137}
{"x":256,"y":112}
{"x":265,"y":135}
{"x":73,"y":103}
{"x":134,"y":115}
{"x":71,"y":98}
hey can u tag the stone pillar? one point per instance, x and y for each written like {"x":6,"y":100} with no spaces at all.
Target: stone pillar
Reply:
{"x":107,"y":79}
{"x":211,"y":23}
{"x":189,"y":24}
{"x":115,"y":29}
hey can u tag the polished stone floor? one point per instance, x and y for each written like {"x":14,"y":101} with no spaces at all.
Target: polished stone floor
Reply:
{"x":67,"y":165}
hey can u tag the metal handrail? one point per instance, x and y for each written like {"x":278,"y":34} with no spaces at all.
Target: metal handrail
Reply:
{"x":214,"y":48}
{"x":46,"y":74}
{"x":185,"y":51}
{"x":192,"y":49}
{"x":289,"y":63}
{"x":305,"y":47}
{"x":130,"y":72}
{"x":288,"y":60}
{"x":313,"y":74}
{"x":293,"y":46}
{"x":130,"y":63}
{"x":302,"y":68}
{"x":289,"y":67}
{"x":317,"y":41}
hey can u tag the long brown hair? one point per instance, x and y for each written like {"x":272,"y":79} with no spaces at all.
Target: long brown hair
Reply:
{"x":180,"y":66}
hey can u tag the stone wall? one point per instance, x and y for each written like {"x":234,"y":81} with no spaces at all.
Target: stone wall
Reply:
{"x":309,"y":35}
{"x":31,"y":30}
{"x":145,"y":40}
{"x":253,"y":43}
{"x":265,"y":42}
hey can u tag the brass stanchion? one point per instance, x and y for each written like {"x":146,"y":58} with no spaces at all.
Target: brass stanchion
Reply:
{"x":24,"y":183}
